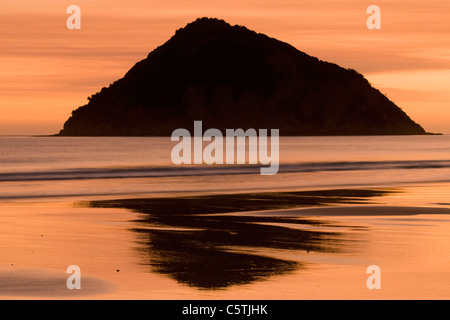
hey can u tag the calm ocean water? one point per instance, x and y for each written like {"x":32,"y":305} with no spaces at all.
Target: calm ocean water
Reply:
{"x":43,"y":167}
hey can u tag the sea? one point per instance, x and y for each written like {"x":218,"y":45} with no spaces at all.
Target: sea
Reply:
{"x":60,"y":167}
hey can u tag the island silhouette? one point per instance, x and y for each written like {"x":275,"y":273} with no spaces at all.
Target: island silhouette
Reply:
{"x":231,"y":77}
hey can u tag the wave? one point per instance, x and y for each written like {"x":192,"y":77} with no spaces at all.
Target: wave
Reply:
{"x":180,"y":171}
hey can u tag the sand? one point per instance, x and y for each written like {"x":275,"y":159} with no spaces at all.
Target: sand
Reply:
{"x":290,"y":245}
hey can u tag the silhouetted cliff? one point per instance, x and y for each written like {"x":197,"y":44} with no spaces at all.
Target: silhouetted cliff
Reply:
{"x":231,"y":77}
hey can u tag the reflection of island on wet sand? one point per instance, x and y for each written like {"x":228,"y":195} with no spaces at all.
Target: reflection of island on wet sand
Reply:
{"x":201,"y":241}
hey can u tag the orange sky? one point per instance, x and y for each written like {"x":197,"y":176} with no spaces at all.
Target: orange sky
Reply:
{"x":46,"y":70}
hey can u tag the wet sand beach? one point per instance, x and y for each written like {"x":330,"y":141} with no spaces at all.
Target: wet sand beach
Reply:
{"x":296,"y":244}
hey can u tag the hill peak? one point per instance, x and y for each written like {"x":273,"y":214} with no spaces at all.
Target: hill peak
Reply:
{"x":207,"y":23}
{"x":210,"y":25}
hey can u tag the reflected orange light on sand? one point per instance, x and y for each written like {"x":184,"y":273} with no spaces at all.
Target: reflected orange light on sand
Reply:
{"x":42,"y":60}
{"x":110,"y":246}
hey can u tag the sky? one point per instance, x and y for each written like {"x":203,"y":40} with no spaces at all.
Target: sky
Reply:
{"x":47,"y":70}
